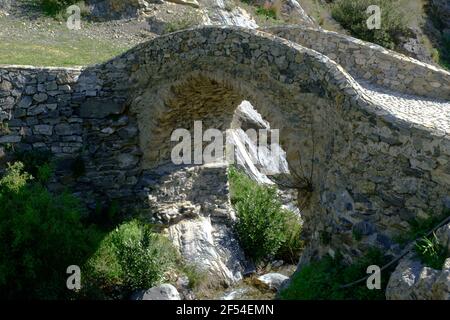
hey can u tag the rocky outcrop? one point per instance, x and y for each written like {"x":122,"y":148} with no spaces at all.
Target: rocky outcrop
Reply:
{"x":211,"y":247}
{"x":257,"y":160}
{"x":194,"y":204}
{"x":161,"y":292}
{"x":271,"y":281}
{"x":116,"y":9}
{"x":225,"y":12}
{"x":412,"y":280}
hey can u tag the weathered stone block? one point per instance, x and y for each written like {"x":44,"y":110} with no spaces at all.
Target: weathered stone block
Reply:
{"x":100,"y":109}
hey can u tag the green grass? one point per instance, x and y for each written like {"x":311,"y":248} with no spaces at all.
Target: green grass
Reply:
{"x":73,"y":52}
{"x":322,"y":280}
{"x":268,"y":13}
{"x":431,"y":252}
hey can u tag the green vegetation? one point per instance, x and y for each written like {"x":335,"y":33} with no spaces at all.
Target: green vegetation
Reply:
{"x":131,"y":256}
{"x":67,"y":48}
{"x":351,"y":14}
{"x":428,"y":249}
{"x":185,"y":22}
{"x":40,"y":236}
{"x":264,"y":227}
{"x":323,"y":279}
{"x":57,"y":7}
{"x":268,"y":13}
{"x":421,"y":226}
{"x":38,"y":163}
{"x":444,"y":53}
{"x":431,"y":252}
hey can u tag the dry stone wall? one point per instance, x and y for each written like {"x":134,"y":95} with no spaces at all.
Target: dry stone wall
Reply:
{"x":371,"y":171}
{"x":370,"y":62}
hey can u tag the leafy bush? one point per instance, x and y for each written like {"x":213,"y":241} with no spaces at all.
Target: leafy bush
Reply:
{"x":40,"y":236}
{"x":58,"y":7}
{"x":52,"y":7}
{"x":267,"y":12}
{"x":132,"y":256}
{"x":263,"y":227}
{"x":37,"y":162}
{"x":323,"y":279}
{"x":431,"y":252}
{"x":291,"y":248}
{"x":351,"y":14}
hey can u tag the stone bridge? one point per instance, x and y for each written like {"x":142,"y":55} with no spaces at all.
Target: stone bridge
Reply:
{"x":370,"y":127}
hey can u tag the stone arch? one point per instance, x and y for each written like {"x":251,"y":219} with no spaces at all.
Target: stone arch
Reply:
{"x":297,"y":90}
{"x":300,"y":91}
{"x":376,"y":164}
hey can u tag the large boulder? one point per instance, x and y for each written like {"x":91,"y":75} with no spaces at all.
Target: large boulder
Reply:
{"x":218,"y":12}
{"x":211,"y":247}
{"x":272,"y":281}
{"x":162,"y":292}
{"x":116,"y":9}
{"x":412,"y":280}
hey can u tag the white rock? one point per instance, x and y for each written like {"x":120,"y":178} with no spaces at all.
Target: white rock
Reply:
{"x":272,"y":281}
{"x":212,"y":248}
{"x":162,"y":292}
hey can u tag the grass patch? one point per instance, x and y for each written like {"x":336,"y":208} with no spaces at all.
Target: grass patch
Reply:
{"x":182,"y":23}
{"x":322,"y":280}
{"x":63,"y":52}
{"x":268,"y":13}
{"x":264,"y":228}
{"x":431,"y":252}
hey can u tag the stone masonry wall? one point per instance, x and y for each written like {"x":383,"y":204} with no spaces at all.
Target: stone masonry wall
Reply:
{"x":370,"y":62}
{"x":68,"y":112}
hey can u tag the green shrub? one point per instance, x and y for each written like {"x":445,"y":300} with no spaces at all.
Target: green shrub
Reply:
{"x":431,"y":252}
{"x":37,"y":162}
{"x":132,"y":256}
{"x":291,"y":248}
{"x":323,"y":279}
{"x":351,"y":14}
{"x":268,"y":13}
{"x":57,"y":8}
{"x":40,"y":236}
{"x":263,"y":227}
